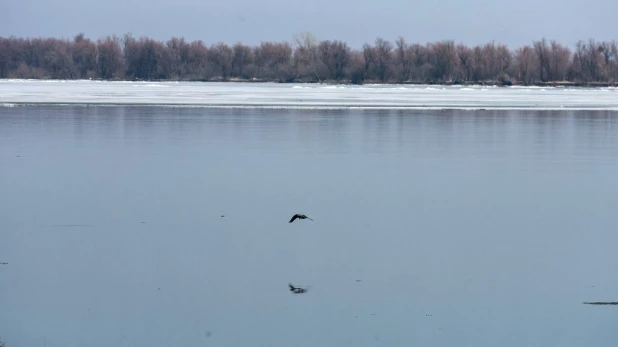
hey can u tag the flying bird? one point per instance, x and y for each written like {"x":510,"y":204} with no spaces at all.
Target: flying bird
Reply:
{"x":299,"y":216}
{"x":297,"y":290}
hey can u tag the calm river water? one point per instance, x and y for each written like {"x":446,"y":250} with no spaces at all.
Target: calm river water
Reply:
{"x":161,"y":226}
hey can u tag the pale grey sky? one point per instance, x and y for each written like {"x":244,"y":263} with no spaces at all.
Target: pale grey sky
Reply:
{"x":514,"y":23}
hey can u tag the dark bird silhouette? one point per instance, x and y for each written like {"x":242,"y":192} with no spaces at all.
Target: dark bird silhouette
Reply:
{"x":299,"y":216}
{"x":297,"y":290}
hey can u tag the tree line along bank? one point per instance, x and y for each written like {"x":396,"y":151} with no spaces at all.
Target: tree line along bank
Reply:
{"x":306,"y":59}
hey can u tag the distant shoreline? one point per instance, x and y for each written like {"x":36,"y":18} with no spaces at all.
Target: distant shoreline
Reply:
{"x":343,"y":83}
{"x":306,"y":59}
{"x":432,"y":83}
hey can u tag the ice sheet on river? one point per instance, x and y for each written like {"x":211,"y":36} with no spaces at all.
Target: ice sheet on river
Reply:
{"x":283,"y":95}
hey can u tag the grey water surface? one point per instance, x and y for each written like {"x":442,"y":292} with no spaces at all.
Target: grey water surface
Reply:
{"x":160,"y":226}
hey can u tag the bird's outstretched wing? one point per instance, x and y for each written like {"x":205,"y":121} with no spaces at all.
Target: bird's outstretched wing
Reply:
{"x":308,"y":218}
{"x":293,"y":218}
{"x":291,"y":286}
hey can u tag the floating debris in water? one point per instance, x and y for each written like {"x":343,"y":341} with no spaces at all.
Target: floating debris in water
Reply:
{"x":602,"y":303}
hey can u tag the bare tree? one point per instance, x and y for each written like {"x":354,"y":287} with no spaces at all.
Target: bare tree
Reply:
{"x":221,"y":57}
{"x":84,"y":56}
{"x":146,"y":59}
{"x":109,"y":58}
{"x":559,"y":62}
{"x":404,"y":59}
{"x":527,"y":69}
{"x":369,"y":60}
{"x":444,"y":60}
{"x":383,"y":50}
{"x":306,"y":56}
{"x":466,"y":62}
{"x":335,"y":56}
{"x":4,"y":57}
{"x":197,"y":62}
{"x":241,"y":60}
{"x":273,"y":61}
{"x":176,"y":51}
{"x":356,"y":70}
{"x":543,"y":57}
{"x":504,"y":61}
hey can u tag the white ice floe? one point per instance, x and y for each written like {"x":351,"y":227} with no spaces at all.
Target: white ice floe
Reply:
{"x":279,"y":95}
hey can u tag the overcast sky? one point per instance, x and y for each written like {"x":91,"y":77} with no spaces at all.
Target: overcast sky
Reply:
{"x":514,"y":23}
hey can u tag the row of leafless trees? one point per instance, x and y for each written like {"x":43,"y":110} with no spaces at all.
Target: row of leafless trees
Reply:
{"x":307,"y":59}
